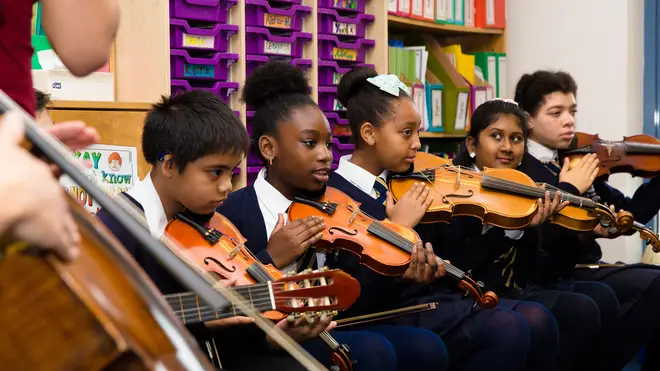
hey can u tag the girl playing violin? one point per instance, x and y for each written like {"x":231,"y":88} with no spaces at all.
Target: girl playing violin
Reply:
{"x":385,"y":125}
{"x":496,"y":139}
{"x":549,"y":100}
{"x":193,"y":142}
{"x":292,"y":137}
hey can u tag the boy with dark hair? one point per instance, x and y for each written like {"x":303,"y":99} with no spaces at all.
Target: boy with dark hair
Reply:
{"x":549,"y":99}
{"x":193,"y":142}
{"x":41,"y":114}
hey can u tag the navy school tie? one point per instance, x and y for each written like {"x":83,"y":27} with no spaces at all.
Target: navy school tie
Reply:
{"x":381,"y":190}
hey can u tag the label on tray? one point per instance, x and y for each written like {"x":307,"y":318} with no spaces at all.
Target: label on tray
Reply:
{"x":346,"y":4}
{"x":198,"y":70}
{"x":344,"y":54}
{"x":197,"y":41}
{"x":271,"y":47}
{"x":336,"y":76}
{"x":346,"y":29}
{"x":338,"y":106}
{"x":277,"y":21}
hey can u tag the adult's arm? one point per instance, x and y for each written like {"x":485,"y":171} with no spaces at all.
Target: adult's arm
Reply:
{"x":81,"y":31}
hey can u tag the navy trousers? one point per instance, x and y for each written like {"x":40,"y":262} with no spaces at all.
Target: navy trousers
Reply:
{"x":387,"y":348}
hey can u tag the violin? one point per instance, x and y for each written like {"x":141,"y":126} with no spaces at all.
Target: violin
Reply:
{"x":506,"y":198}
{"x":217,"y":246}
{"x":383,"y":246}
{"x":638,"y":155}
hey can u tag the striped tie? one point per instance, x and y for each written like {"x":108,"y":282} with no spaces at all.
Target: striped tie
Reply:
{"x":381,"y":190}
{"x":553,"y":166}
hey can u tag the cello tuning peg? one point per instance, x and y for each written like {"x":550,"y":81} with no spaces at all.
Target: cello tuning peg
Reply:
{"x":324,"y":268}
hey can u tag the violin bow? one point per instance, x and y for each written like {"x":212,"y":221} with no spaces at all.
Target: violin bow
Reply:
{"x":127,"y":215}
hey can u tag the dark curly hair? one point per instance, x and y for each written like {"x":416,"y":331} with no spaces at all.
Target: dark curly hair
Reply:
{"x":274,"y":90}
{"x":532,"y":89}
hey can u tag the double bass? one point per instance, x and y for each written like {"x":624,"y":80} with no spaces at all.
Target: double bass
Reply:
{"x":109,"y":316}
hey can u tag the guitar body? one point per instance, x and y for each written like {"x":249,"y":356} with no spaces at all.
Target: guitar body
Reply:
{"x":99,"y":312}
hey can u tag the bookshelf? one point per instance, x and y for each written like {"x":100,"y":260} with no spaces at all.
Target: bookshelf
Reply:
{"x":471,"y":39}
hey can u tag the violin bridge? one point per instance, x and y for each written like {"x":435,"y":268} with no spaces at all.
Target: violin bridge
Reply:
{"x":353,"y":216}
{"x":235,"y":251}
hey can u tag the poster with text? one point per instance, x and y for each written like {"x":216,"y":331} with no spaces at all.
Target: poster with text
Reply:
{"x":114,"y":167}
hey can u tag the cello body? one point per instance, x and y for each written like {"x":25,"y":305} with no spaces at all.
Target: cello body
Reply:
{"x":97,"y":312}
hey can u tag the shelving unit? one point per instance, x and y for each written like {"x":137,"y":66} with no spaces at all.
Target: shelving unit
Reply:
{"x":141,"y":61}
{"x":471,"y":39}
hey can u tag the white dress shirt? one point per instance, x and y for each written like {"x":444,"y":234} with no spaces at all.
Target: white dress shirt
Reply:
{"x":541,"y":152}
{"x":359,"y":177}
{"x":145,"y":193}
{"x":272,"y":203}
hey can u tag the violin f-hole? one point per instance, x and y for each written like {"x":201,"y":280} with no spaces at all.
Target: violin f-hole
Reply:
{"x":219,"y":263}
{"x":332,"y":230}
{"x":445,"y":198}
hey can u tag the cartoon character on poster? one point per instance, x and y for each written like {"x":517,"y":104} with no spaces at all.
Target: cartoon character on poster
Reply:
{"x":114,"y":167}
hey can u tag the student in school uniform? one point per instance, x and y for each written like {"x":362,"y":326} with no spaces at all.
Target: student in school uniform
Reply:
{"x":549,"y":100}
{"x":496,"y":139}
{"x":384,"y":122}
{"x":193,"y":142}
{"x":293,"y":138}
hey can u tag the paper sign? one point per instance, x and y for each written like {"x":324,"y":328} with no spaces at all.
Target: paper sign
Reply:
{"x":115,"y":167}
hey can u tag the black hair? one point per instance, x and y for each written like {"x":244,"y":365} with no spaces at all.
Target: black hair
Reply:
{"x":532,"y":89}
{"x":189,"y":126}
{"x":274,"y":90}
{"x":364,"y":101}
{"x":43,"y":99}
{"x":486,"y":114}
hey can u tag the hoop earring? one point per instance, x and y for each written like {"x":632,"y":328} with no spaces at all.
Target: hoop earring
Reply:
{"x":473,"y":155}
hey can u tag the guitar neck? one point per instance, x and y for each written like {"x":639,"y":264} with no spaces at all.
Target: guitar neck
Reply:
{"x":191,"y":309}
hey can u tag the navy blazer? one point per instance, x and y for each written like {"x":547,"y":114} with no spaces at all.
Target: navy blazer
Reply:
{"x":230,"y":340}
{"x":242,"y":209}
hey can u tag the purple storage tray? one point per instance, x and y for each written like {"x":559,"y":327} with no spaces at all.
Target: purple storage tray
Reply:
{"x":183,"y":66}
{"x":253,"y":61}
{"x":219,"y":88}
{"x":201,"y":10}
{"x":338,"y":125}
{"x":330,"y":72}
{"x":331,"y":49}
{"x":331,"y":23}
{"x":261,"y":41}
{"x":340,"y":149}
{"x":328,"y":99}
{"x":216,"y":37}
{"x":252,"y":172}
{"x":357,"y":6}
{"x":259,"y":13}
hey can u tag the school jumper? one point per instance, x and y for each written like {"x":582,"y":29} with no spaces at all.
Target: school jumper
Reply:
{"x":474,"y":337}
{"x":253,"y":210}
{"x":240,"y":347}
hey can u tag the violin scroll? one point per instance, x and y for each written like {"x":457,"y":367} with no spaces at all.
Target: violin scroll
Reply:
{"x":487,"y":300}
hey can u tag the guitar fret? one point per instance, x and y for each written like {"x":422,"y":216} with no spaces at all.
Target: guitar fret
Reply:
{"x":183,"y":313}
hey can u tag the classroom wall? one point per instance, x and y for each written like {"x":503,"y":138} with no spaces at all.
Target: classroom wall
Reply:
{"x":601,"y":44}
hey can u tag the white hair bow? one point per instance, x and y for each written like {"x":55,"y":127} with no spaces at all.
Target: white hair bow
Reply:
{"x":389,"y":84}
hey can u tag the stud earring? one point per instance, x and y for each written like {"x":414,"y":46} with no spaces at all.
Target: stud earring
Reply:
{"x":473,"y":155}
